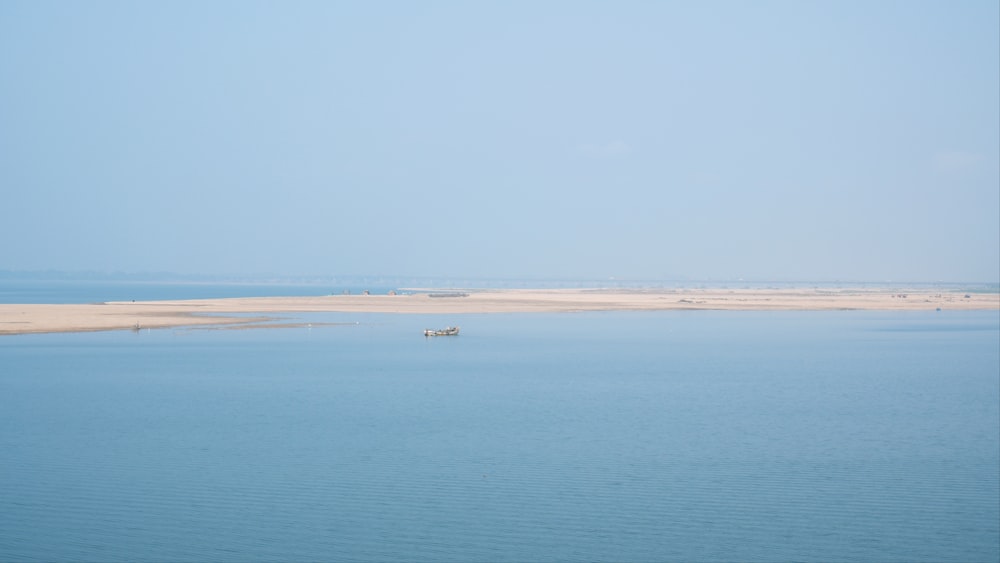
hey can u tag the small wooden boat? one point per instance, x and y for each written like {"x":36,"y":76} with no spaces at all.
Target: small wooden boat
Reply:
{"x":450,"y":331}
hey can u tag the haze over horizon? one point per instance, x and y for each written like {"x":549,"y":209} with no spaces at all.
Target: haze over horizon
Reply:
{"x":575,"y":140}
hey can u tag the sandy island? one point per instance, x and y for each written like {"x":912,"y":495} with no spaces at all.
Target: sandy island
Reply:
{"x":40,"y":318}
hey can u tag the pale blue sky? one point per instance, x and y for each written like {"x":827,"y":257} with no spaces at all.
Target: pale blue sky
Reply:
{"x":765,"y":140}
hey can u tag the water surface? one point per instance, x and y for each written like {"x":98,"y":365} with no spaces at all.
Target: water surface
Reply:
{"x":697,"y":436}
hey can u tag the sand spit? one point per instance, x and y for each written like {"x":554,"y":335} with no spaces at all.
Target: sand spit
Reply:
{"x":36,"y":318}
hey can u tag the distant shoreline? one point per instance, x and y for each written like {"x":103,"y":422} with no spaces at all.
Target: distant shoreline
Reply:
{"x":50,"y":318}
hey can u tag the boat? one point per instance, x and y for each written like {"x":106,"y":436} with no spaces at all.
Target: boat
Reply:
{"x":450,"y":331}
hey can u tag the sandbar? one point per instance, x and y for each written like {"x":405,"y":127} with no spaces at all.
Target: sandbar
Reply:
{"x":45,"y":318}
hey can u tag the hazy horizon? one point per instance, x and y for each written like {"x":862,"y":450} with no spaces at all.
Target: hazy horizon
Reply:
{"x":398,"y":281}
{"x":723,"y":140}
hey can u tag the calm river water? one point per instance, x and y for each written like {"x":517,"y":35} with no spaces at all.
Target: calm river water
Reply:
{"x":695,"y":436}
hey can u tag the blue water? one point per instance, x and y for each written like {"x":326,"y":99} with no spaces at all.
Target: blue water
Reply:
{"x":694,"y":436}
{"x":76,"y":291}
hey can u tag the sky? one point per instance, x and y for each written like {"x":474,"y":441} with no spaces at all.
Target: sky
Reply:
{"x":756,"y":140}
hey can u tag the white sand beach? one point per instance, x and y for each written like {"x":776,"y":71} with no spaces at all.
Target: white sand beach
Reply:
{"x":41,"y":318}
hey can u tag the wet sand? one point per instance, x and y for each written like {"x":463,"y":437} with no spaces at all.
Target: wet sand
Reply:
{"x":40,"y":318}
